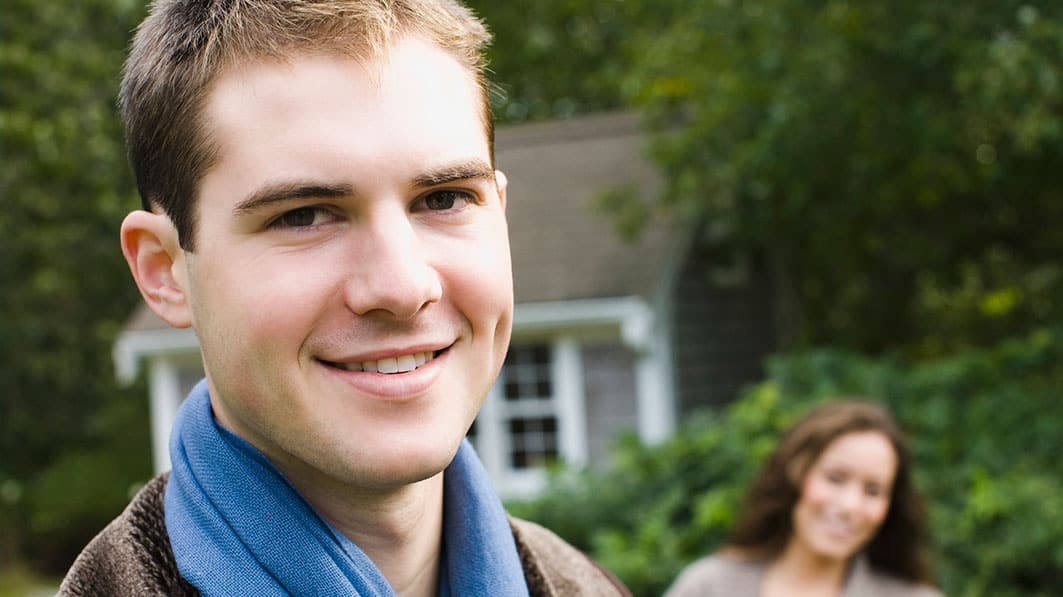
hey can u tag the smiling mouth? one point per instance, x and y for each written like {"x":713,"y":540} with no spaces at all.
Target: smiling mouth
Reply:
{"x":390,"y":365}
{"x":839,"y":527}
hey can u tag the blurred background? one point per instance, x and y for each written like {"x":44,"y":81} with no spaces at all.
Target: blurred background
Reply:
{"x":775,"y":202}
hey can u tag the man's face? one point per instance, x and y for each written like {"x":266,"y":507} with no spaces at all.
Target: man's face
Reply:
{"x":351,"y":284}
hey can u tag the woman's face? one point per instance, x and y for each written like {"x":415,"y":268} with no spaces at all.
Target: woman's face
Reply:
{"x":845,"y":495}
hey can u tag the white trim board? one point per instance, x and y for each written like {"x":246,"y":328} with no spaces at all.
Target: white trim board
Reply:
{"x":134,"y":345}
{"x":633,"y":316}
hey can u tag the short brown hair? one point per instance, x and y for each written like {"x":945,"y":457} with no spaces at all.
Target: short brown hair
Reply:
{"x":182,"y":45}
{"x":765,"y":524}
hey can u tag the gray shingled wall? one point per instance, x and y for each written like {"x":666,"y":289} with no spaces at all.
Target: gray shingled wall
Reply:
{"x":723,"y":332}
{"x":609,"y":383}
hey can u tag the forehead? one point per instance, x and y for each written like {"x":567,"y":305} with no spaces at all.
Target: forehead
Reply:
{"x":869,"y":453}
{"x":415,"y":104}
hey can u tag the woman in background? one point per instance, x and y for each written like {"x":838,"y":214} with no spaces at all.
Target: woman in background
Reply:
{"x":832,"y":513}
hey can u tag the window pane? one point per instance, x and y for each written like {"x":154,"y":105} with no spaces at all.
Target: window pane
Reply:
{"x":512,"y":390}
{"x":529,"y":412}
{"x":533,"y":441}
{"x":544,"y":389}
{"x":527,"y":373}
{"x":541,"y":354}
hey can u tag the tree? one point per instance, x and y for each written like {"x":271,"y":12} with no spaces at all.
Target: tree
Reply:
{"x":64,"y":186}
{"x":898,"y":162}
{"x":558,"y":58}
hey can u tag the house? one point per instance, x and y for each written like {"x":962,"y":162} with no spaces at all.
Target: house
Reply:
{"x":608,"y":336}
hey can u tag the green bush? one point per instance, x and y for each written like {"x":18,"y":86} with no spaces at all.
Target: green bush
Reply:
{"x":984,"y":427}
{"x":74,"y":497}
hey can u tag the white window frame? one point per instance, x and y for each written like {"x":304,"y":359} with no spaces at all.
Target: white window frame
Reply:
{"x":567,"y":406}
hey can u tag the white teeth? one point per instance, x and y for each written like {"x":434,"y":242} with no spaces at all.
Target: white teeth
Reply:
{"x":403,"y":364}
{"x":837,"y":524}
{"x":406,"y":363}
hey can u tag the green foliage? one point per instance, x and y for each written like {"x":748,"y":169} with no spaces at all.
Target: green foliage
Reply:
{"x":894,"y":160}
{"x":626,"y":206}
{"x":64,"y":187}
{"x":984,"y":430}
{"x":17,"y":581}
{"x":558,"y":58}
{"x":77,"y":494}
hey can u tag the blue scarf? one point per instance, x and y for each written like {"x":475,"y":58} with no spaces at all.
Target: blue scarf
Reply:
{"x":238,"y":527}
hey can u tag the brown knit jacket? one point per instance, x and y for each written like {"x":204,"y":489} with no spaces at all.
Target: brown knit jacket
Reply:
{"x":132,"y":556}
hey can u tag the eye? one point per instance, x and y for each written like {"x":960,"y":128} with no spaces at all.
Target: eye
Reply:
{"x":445,"y":200}
{"x":836,"y":477}
{"x":873,"y":490}
{"x":302,"y":217}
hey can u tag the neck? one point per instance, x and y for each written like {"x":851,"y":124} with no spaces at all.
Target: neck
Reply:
{"x":400,"y":529}
{"x":807,"y":573}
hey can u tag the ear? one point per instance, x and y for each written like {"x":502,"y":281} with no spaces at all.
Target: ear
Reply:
{"x":501,"y":182}
{"x":157,"y":261}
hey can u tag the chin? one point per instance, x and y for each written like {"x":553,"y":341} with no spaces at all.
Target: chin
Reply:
{"x":834,"y":551}
{"x":413,"y":461}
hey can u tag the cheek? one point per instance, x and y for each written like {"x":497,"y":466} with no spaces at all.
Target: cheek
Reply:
{"x":878,"y":511}
{"x":808,"y":502}
{"x":815,"y":491}
{"x":480,"y":281}
{"x":246,"y":324}
{"x":281,"y":297}
{"x":261,"y":323}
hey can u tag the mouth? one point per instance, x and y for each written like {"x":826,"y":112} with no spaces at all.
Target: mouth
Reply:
{"x":390,"y":365}
{"x":839,"y":527}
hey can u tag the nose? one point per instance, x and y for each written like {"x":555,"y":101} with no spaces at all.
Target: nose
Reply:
{"x":391,"y":271}
{"x":850,"y":497}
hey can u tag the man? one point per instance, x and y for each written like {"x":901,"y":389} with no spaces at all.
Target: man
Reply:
{"x":321,"y":206}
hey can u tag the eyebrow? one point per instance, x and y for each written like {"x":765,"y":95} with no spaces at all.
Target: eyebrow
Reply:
{"x":471,"y":169}
{"x":287,"y":191}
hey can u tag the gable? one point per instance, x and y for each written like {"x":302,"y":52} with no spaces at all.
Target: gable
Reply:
{"x":563,"y":247}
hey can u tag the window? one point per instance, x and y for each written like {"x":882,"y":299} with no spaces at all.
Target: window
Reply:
{"x":530,"y":410}
{"x":533,"y":416}
{"x":527,"y":374}
{"x":533,"y":442}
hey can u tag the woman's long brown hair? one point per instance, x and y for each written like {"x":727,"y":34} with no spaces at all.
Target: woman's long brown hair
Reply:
{"x":765,"y":523}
